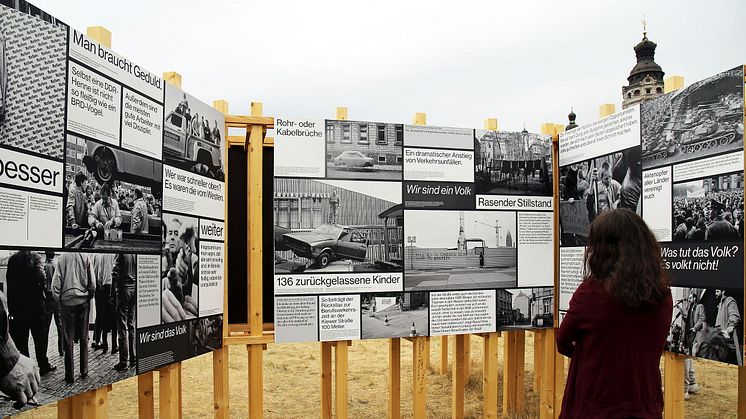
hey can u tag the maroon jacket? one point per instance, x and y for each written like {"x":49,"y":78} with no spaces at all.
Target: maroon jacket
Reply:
{"x":614,"y":370}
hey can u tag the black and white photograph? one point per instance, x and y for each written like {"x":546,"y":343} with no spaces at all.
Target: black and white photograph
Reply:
{"x":593,"y":186}
{"x":206,"y":334}
{"x":703,"y":119}
{"x":525,"y":308}
{"x":512,"y":163}
{"x":459,"y":250}
{"x":112,"y":198}
{"x":193,"y":135}
{"x":71,"y":315}
{"x":707,"y":323}
{"x":364,"y":150}
{"x":709,"y":209}
{"x":337,"y":226}
{"x":179,"y":269}
{"x":394,"y":315}
{"x":25,"y":7}
{"x":33,"y":58}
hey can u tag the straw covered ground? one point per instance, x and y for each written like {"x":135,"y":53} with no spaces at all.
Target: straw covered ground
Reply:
{"x":291,"y":385}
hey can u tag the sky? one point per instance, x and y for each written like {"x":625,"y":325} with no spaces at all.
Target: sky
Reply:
{"x":523,"y":62}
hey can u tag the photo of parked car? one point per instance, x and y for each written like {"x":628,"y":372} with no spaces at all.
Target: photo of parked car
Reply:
{"x":353,"y":160}
{"x":327,"y":243}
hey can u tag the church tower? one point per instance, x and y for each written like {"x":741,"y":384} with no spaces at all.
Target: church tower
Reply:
{"x":646,"y":78}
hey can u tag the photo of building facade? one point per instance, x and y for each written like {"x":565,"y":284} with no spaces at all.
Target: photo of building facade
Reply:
{"x":525,"y":307}
{"x":364,"y":150}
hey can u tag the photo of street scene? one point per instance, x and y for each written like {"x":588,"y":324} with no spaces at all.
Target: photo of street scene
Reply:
{"x":709,"y":209}
{"x":512,"y":163}
{"x":364,"y":150}
{"x":70,"y":316}
{"x":707,"y":323}
{"x":452,"y":250}
{"x":337,"y":226}
{"x":700,"y":120}
{"x":525,"y":308}
{"x":593,"y":186}
{"x":394,"y":315}
{"x":112,"y":198}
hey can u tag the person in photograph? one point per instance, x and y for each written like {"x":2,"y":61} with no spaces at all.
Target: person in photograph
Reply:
{"x":73,"y":287}
{"x":216,"y":133}
{"x":196,"y":128}
{"x":694,"y":322}
{"x":104,"y":215}
{"x":183,"y":106}
{"x":206,"y":133}
{"x":181,"y":274}
{"x":103,"y":266}
{"x":26,"y":280}
{"x":140,"y":214}
{"x":50,"y":305}
{"x":333,"y":207}
{"x":604,"y":195}
{"x":19,"y":375}
{"x":124,"y":280}
{"x":624,"y":297}
{"x":728,"y":317}
{"x":631,"y":183}
{"x":76,"y":207}
{"x":719,"y":229}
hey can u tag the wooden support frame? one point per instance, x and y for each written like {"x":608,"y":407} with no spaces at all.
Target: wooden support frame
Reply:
{"x":394,"y":378}
{"x":457,"y":378}
{"x":514,"y":394}
{"x":673,"y":385}
{"x":741,"y":393}
{"x":489,"y":374}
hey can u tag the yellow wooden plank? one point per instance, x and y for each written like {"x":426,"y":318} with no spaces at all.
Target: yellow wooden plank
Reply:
{"x":326,"y":380}
{"x":99,"y":34}
{"x":241,"y":121}
{"x":457,"y":380}
{"x":547,"y":395}
{"x":467,"y":357}
{"x":65,"y":408}
{"x":168,"y":391}
{"x":394,"y":378}
{"x":672,"y":83}
{"x":221,"y":383}
{"x":520,"y":371}
{"x":538,"y":359}
{"x":444,"y":355}
{"x":254,"y":237}
{"x":263,"y":339}
{"x":490,"y":375}
{"x":490,"y":124}
{"x":419,"y":379}
{"x":673,"y":385}
{"x":341,"y":113}
{"x":606,"y":109}
{"x":256,"y":381}
{"x":173,"y":78}
{"x":509,"y":372}
{"x":145,"y":399}
{"x":92,"y":404}
{"x":420,"y":118}
{"x":741,"y":393}
{"x":341,"y":399}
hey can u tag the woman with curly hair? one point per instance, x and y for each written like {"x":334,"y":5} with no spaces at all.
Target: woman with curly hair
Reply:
{"x":617,"y":323}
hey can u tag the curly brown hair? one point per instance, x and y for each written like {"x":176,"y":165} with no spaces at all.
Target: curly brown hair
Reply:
{"x":624,"y":255}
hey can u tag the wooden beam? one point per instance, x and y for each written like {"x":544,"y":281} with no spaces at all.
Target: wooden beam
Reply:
{"x":672,"y":83}
{"x":419,"y":379}
{"x":489,"y":375}
{"x":467,"y":357}
{"x":741,"y":393}
{"x":92,"y":404}
{"x":65,"y":408}
{"x":673,"y":385}
{"x":145,"y":399}
{"x":554,"y":374}
{"x":99,"y":34}
{"x":168,"y":391}
{"x":256,"y":380}
{"x":606,"y":109}
{"x":221,"y":383}
{"x":509,"y":372}
{"x":341,"y":398}
{"x":326,"y":379}
{"x":520,"y":371}
{"x":457,"y":380}
{"x":443,"y":355}
{"x":490,"y":124}
{"x":394,"y":378}
{"x":241,"y":121}
{"x":341,"y":113}
{"x":538,"y":358}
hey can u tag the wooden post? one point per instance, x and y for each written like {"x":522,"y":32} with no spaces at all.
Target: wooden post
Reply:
{"x":420,"y":346}
{"x":467,"y":357}
{"x":539,"y":336}
{"x":553,"y":386}
{"x":395,"y":378}
{"x":672,"y":83}
{"x":741,"y":393}
{"x":520,"y":370}
{"x":340,"y":379}
{"x":606,"y":109}
{"x":509,"y":372}
{"x":443,"y":355}
{"x":168,"y":392}
{"x":99,"y":34}
{"x":673,"y":385}
{"x":489,"y":375}
{"x":220,"y":358}
{"x":145,"y":400}
{"x":326,"y":380}
{"x":255,"y":197}
{"x":65,"y":408}
{"x":457,"y":378}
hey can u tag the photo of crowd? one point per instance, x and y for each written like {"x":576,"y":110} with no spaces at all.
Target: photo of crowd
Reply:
{"x":68,"y":304}
{"x":709,"y":209}
{"x":206,"y":334}
{"x":593,"y":186}
{"x":707,"y":323}
{"x":700,"y":120}
{"x":112,"y":199}
{"x":179,"y":269}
